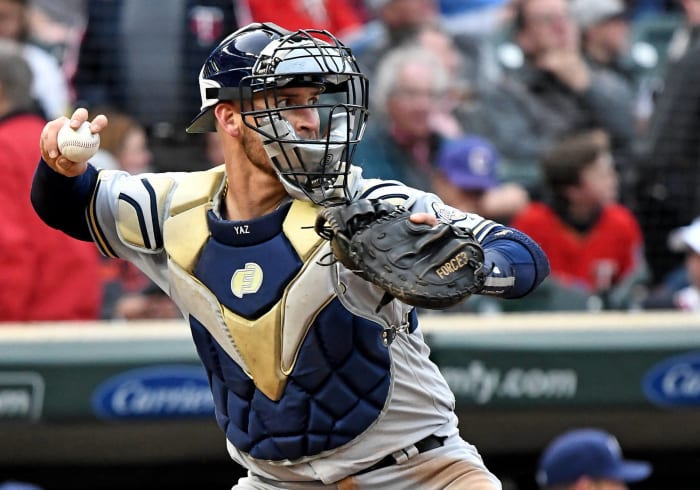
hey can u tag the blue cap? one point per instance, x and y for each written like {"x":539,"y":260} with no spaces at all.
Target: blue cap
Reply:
{"x":18,"y":485}
{"x":470,"y":163}
{"x":587,"y":452}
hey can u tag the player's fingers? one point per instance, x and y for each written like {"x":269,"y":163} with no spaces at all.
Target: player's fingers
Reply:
{"x":69,"y":168}
{"x":48,"y":141}
{"x":63,"y":163}
{"x":80,"y":115}
{"x":98,"y":123}
{"x":424,"y":218}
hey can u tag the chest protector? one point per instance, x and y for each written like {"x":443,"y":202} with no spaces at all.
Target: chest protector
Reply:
{"x":292,"y":371}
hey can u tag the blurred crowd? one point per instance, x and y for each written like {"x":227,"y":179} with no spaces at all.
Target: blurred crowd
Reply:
{"x":576,"y":121}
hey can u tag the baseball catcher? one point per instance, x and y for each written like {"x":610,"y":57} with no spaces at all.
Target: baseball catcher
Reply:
{"x":313,"y":386}
{"x":422,"y":265}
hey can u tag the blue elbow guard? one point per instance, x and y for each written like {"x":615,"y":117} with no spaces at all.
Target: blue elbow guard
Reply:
{"x":515,"y":262}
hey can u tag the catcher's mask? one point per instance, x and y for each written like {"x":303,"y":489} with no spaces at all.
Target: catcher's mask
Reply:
{"x":253,"y":66}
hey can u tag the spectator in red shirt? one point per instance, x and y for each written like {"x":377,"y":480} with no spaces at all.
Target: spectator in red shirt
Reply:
{"x":46,"y":275}
{"x":592,"y":241}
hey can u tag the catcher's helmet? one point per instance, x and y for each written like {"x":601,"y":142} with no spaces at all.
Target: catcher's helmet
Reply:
{"x":257,"y":61}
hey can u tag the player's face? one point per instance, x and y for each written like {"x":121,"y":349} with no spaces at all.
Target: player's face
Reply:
{"x":304,"y":120}
{"x":296,"y":106}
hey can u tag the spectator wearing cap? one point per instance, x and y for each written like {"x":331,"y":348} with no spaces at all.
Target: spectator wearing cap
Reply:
{"x":605,"y":30}
{"x":606,"y":42}
{"x":553,"y":92}
{"x":680,"y":290}
{"x":585,"y":459}
{"x":466,"y":178}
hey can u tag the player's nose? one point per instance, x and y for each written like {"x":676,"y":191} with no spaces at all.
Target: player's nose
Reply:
{"x":306,"y":122}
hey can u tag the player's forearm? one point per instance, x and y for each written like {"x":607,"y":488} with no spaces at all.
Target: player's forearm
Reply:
{"x":516,"y":264}
{"x":61,"y":201}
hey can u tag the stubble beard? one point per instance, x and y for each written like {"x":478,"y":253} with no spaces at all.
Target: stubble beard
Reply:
{"x":254,"y":150}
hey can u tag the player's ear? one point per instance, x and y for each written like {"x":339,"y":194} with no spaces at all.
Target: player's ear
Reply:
{"x":229,"y":118}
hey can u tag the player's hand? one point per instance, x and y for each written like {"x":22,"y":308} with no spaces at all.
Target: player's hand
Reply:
{"x":49,"y":142}
{"x":424,"y":219}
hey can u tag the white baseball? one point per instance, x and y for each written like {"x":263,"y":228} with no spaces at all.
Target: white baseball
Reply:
{"x":78,"y":145}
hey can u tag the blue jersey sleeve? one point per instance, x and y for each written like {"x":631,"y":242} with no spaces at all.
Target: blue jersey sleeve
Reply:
{"x":61,"y":202}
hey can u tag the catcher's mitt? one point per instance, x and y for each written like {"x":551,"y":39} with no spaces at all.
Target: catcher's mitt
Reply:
{"x":430,"y":267}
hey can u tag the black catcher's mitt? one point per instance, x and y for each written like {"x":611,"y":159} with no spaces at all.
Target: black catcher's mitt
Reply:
{"x":429,"y":267}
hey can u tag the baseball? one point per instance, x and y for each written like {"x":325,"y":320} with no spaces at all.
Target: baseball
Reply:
{"x":78,"y":145}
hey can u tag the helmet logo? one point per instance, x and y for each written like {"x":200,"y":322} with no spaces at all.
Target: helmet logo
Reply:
{"x":247,"y":280}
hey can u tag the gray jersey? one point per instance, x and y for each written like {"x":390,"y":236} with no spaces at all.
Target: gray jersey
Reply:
{"x":270,"y":323}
